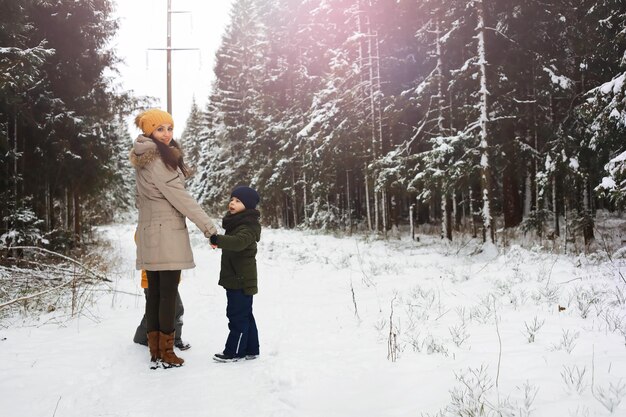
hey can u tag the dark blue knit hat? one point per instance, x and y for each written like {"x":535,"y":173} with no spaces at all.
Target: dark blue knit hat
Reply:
{"x":249,"y":197}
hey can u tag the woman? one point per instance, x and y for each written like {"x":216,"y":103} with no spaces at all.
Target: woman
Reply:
{"x":163,"y":247}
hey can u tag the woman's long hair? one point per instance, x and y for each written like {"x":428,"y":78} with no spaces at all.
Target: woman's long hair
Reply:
{"x":172,"y":159}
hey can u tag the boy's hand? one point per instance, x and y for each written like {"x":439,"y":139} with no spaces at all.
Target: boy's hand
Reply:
{"x":213,"y":240}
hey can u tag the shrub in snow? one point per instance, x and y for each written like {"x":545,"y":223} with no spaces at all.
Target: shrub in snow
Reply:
{"x":518,"y":297}
{"x":532,"y":329}
{"x":567,"y":342}
{"x":530,"y":393}
{"x":470,"y":398}
{"x":612,"y":396}
{"x":474,"y":397}
{"x":537,"y":220}
{"x":433,"y":346}
{"x":549,"y":294}
{"x":615,"y":321}
{"x":459,"y":334}
{"x":24,"y":228}
{"x":574,"y":378}
{"x":585,"y":299}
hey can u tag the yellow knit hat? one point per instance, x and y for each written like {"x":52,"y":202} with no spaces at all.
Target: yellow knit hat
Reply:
{"x":149,"y":120}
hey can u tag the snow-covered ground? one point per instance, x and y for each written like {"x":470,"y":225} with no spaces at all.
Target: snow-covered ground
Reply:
{"x":348,"y":327}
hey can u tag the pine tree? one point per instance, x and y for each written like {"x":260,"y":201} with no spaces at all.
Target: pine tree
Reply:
{"x":59,"y":108}
{"x":191,"y":136}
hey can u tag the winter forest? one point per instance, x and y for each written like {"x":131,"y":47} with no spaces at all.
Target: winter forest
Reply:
{"x":388,"y":139}
{"x":354,"y":115}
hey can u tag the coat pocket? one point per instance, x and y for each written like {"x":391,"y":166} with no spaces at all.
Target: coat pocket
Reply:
{"x":151,"y":235}
{"x":179,"y":224}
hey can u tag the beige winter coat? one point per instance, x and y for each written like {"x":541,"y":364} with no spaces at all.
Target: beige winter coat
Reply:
{"x":163,"y":203}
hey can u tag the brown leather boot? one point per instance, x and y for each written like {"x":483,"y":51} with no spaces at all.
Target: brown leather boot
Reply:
{"x":153,"y":345}
{"x":166,"y":346}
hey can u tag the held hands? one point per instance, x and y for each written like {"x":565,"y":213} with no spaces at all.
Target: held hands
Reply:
{"x":210,"y":229}
{"x":213,"y":240}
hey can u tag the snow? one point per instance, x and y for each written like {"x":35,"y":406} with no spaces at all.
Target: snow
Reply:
{"x":615,"y":114}
{"x":607,"y":183}
{"x":322,"y":357}
{"x":618,"y":159}
{"x":614,"y":86}
{"x":560,"y":80}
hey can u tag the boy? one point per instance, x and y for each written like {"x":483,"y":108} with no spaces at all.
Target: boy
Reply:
{"x":238,"y":273}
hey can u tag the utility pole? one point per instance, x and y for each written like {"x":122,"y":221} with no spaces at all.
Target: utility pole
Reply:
{"x":169,"y":50}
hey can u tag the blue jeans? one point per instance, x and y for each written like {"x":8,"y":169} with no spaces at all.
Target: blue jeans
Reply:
{"x":243,"y":338}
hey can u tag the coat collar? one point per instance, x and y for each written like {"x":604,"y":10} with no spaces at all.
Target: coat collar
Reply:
{"x":145,"y":151}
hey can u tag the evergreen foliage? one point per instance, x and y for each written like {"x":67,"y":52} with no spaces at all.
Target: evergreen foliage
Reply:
{"x":343,"y":113}
{"x":61,"y":137}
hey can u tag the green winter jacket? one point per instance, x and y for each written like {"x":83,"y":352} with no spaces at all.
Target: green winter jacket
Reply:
{"x":238,"y":266}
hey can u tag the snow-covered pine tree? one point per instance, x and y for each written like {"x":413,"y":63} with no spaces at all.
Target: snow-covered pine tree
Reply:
{"x":21,"y":65}
{"x":236,"y":101}
{"x":604,"y":114}
{"x":313,"y":130}
{"x":594,"y":42}
{"x":204,"y":183}
{"x":336,"y":132}
{"x":191,"y":138}
{"x":61,"y":125}
{"x":286,"y":95}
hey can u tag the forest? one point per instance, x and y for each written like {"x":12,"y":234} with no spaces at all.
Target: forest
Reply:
{"x":357,"y":115}
{"x":468,"y":115}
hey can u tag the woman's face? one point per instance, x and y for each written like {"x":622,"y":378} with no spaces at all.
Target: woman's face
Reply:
{"x":235,"y":206}
{"x":164,"y":133}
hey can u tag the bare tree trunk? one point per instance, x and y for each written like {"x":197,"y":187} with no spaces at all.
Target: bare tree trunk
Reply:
{"x":16,"y":170}
{"x":557,"y":228}
{"x":588,"y":225}
{"x":294,"y":199}
{"x":412,"y":220}
{"x":528,"y":198}
{"x":394,"y":211}
{"x":376,"y":125}
{"x":432,"y":208}
{"x":77,"y":217}
{"x":348,"y":208}
{"x":444,"y":215}
{"x":484,"y":118}
{"x":455,"y":223}
{"x":384,"y":210}
{"x":280,"y":216}
{"x":49,"y":206}
{"x":367,"y":200}
{"x":463,"y":212}
{"x":328,"y":203}
{"x":538,"y":205}
{"x":68,"y":209}
{"x":448,"y":220}
{"x":381,"y":147}
{"x":286,"y":210}
{"x":439,"y":69}
{"x":304,"y":198}
{"x":376,"y":212}
{"x":471,"y":212}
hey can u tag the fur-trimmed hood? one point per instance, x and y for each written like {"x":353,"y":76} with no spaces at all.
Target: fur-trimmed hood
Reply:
{"x":145,"y":151}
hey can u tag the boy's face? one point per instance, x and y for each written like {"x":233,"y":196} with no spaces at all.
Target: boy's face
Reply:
{"x":235,"y":206}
